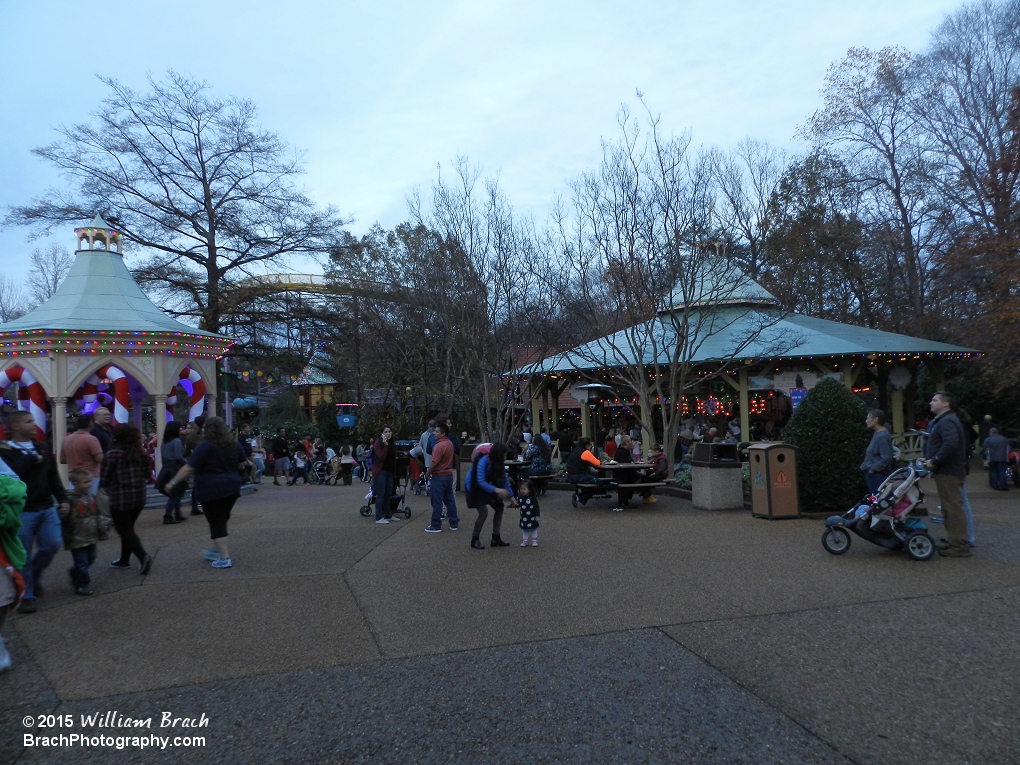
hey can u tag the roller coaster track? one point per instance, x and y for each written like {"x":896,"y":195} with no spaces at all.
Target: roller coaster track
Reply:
{"x":268,"y":284}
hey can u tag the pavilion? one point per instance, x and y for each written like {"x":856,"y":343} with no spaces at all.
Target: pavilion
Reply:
{"x":100,"y":341}
{"x":740,"y":327}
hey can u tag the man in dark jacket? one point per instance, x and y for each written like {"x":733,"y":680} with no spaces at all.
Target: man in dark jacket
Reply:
{"x":40,"y":523}
{"x":996,"y":448}
{"x":946,"y":456}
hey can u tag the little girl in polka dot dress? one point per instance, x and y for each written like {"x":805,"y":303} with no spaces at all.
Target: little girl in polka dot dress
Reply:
{"x":529,"y":513}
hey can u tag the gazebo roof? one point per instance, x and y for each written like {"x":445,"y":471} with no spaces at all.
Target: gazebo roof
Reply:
{"x":100,"y":295}
{"x":317,"y":370}
{"x":784,"y":337}
{"x":717,"y":282}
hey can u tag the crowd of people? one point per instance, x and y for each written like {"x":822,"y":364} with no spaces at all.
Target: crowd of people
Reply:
{"x":110,"y":468}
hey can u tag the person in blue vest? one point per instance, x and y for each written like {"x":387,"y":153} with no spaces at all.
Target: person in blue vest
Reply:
{"x":487,"y":485}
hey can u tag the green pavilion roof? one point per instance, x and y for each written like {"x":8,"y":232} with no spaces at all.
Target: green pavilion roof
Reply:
{"x":317,"y":370}
{"x":725,"y":334}
{"x":717,"y":282}
{"x":100,"y":295}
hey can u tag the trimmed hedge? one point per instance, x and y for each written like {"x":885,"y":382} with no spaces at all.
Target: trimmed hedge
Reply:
{"x":830,"y":435}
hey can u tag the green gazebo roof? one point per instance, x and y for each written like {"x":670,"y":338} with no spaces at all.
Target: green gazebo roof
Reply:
{"x":100,"y":295}
{"x":316,"y":372}
{"x":729,"y":316}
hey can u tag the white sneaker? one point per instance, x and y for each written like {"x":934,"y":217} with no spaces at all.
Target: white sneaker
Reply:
{"x":393,"y":519}
{"x":382,"y":521}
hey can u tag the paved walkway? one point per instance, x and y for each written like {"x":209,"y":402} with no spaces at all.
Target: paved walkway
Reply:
{"x":662,"y":634}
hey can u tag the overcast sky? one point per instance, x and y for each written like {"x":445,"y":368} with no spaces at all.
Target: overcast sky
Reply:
{"x":376,"y":94}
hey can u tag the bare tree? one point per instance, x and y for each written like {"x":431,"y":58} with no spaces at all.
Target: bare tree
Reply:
{"x":47,"y":270}
{"x":964,"y":101}
{"x":868,"y":124}
{"x":745,"y":181}
{"x":652,"y":293}
{"x":485,"y":275}
{"x":191,"y":179}
{"x":12,"y":299}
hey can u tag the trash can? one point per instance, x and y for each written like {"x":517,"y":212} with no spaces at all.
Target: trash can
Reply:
{"x":715,"y":477}
{"x":773,"y":481}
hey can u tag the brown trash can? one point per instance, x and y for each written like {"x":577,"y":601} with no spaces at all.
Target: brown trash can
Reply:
{"x":773,"y":481}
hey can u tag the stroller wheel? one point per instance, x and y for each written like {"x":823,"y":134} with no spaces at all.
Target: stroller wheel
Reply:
{"x":920,"y":546}
{"x":836,"y":540}
{"x":407,"y":511}
{"x":366,"y":510}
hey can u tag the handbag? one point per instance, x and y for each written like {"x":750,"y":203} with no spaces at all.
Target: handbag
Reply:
{"x":166,"y":473}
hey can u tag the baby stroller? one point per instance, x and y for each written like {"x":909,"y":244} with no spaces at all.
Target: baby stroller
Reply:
{"x":890,"y":518}
{"x":320,"y":471}
{"x":398,"y":501}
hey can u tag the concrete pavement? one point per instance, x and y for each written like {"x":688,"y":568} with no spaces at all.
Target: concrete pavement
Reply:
{"x":661,"y":634}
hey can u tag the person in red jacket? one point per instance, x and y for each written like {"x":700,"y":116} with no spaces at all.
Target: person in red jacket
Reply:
{"x":440,"y":471}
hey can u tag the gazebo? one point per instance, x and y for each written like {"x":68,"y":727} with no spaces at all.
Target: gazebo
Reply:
{"x":726,"y":307}
{"x":99,"y":341}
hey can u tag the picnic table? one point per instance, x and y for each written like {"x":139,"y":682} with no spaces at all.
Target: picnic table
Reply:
{"x":607,"y":481}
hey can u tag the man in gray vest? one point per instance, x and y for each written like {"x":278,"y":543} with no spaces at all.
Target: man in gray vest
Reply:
{"x":946,"y":456}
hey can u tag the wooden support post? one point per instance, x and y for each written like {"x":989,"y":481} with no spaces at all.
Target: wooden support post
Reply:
{"x":745,"y":406}
{"x":536,"y":411}
{"x":848,"y":374}
{"x":896,"y":400}
{"x":60,"y":431}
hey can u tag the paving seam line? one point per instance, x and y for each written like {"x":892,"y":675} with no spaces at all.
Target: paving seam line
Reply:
{"x":768,"y":704}
{"x":976,"y":591}
{"x":364,"y":618}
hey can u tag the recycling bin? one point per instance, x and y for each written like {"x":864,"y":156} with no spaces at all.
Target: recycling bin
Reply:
{"x":773,"y":481}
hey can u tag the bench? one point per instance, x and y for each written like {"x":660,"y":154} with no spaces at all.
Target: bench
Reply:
{"x":603,"y":487}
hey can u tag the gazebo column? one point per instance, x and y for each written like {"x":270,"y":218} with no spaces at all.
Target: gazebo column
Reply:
{"x":554,"y":407}
{"x":60,"y":431}
{"x":745,"y":405}
{"x":210,"y":405}
{"x":536,"y":388}
{"x":160,"y":426}
{"x":937,"y":372}
{"x":896,"y":404}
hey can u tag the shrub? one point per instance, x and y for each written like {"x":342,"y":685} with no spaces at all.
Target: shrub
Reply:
{"x":830,"y":435}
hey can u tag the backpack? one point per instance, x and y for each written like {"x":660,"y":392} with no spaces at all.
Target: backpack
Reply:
{"x":476,"y":455}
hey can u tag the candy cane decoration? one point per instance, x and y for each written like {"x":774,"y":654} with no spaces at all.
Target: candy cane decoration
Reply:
{"x":31,"y":396}
{"x":194,"y":386}
{"x":121,"y":394}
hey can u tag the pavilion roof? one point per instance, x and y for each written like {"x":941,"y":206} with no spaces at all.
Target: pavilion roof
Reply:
{"x":739,"y":333}
{"x":317,"y":370}
{"x":99,"y":294}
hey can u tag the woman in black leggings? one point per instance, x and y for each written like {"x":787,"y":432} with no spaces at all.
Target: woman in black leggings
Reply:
{"x":486,"y":484}
{"x":124,"y":477}
{"x":216,"y":464}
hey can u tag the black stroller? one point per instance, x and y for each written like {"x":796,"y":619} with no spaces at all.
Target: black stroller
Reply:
{"x":398,"y":501}
{"x":891,"y":518}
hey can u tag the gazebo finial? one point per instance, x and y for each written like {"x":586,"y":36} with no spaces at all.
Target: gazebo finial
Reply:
{"x":98,"y":232}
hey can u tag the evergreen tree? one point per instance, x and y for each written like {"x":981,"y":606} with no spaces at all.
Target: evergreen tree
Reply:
{"x":830,"y":435}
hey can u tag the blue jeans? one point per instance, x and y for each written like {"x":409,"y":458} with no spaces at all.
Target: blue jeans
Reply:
{"x":41,"y":527}
{"x":874,"y":480}
{"x":442,"y":493}
{"x":172,"y":504}
{"x":83,"y":558}
{"x":970,"y":517}
{"x":382,"y":490}
{"x":997,"y":478}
